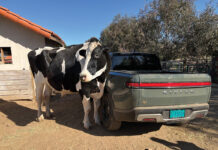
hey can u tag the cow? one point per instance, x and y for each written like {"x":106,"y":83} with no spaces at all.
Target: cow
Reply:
{"x":79,"y":68}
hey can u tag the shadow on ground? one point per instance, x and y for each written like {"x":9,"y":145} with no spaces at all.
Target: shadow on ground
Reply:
{"x":68,"y":111}
{"x":211,"y":121}
{"x":20,"y":115}
{"x":180,"y":145}
{"x":71,"y":114}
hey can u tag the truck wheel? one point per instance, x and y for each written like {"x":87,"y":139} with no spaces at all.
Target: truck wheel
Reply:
{"x":106,"y":114}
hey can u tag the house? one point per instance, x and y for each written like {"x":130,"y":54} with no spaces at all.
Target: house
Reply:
{"x":18,"y":36}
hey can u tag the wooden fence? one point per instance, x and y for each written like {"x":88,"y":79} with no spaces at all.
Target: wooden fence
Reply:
{"x":203,"y":66}
{"x":16,"y":85}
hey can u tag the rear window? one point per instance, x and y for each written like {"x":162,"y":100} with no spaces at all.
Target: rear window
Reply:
{"x":135,"y":62}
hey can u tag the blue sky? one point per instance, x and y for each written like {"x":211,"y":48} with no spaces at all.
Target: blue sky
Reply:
{"x":76,"y":21}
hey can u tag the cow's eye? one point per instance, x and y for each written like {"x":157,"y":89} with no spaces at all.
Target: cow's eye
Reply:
{"x":82,"y":53}
{"x":97,"y":56}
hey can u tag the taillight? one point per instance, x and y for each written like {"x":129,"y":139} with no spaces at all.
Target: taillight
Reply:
{"x":130,"y":84}
{"x":200,"y":116}
{"x":149,"y":120}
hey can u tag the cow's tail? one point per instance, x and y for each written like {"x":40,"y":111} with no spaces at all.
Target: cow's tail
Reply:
{"x":32,"y":62}
{"x":108,"y":58}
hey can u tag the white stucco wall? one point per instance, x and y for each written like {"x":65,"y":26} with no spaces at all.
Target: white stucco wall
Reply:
{"x":21,"y":40}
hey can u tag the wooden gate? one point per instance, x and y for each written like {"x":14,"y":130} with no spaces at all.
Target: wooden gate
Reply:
{"x":16,"y":84}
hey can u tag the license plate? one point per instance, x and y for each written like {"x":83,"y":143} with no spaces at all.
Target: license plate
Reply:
{"x":177,"y":113}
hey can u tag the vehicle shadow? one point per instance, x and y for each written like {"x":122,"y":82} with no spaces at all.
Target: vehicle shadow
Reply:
{"x":182,"y":145}
{"x":210,"y":122}
{"x":68,"y":111}
{"x":70,"y":114}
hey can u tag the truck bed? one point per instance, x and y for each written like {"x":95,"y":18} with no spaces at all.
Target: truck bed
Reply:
{"x":160,"y":89}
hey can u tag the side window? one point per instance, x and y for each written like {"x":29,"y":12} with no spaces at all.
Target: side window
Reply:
{"x":5,"y":55}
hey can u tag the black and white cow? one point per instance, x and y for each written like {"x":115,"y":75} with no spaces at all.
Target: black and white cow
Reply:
{"x":78,"y":68}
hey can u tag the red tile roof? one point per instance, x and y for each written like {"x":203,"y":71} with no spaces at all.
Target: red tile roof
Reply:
{"x":32,"y":26}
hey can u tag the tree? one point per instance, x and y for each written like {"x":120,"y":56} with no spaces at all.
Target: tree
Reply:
{"x":120,"y":35}
{"x":170,"y":28}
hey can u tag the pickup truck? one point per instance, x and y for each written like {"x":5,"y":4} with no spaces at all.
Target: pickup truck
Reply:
{"x":137,"y":90}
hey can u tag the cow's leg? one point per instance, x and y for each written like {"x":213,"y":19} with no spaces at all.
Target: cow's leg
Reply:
{"x":87,"y":108}
{"x":39,"y":92}
{"x":47,"y":95}
{"x":97,"y":103}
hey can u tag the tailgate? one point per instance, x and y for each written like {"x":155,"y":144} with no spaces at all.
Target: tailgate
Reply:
{"x":172,"y":89}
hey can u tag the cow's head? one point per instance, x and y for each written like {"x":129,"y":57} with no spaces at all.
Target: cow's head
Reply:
{"x":93,"y":61}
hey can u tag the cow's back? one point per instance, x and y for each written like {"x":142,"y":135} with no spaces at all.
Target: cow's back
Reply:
{"x":58,"y":65}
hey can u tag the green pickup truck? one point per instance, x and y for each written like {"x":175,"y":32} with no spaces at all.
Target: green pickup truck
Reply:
{"x":138,"y":90}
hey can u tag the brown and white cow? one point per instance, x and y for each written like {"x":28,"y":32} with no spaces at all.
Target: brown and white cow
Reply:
{"x":78,"y":68}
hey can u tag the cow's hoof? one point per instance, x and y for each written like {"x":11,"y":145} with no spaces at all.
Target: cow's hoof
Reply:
{"x":98,"y":122}
{"x":50,"y":117}
{"x":87,"y":126}
{"x":40,"y":118}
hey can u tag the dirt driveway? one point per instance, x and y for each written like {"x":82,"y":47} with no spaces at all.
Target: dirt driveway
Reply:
{"x":19,"y":130}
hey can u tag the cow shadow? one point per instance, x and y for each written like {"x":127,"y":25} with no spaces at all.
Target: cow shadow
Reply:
{"x":72,"y":116}
{"x":20,"y":115}
{"x":68,"y":111}
{"x":182,"y":145}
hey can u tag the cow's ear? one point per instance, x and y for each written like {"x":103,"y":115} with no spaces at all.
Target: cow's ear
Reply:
{"x":106,"y":49}
{"x":92,"y":39}
{"x":82,"y":53}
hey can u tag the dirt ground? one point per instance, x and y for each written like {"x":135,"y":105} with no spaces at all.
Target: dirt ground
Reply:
{"x":19,"y":130}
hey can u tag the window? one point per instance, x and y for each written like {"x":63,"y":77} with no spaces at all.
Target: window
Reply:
{"x":5,"y":55}
{"x":140,"y":62}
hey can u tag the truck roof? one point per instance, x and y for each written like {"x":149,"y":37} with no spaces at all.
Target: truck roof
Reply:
{"x":130,"y":53}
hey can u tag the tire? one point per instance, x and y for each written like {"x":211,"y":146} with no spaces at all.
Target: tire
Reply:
{"x":106,"y":114}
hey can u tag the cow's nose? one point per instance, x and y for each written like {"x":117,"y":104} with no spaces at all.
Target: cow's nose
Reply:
{"x":83,"y":77}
